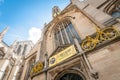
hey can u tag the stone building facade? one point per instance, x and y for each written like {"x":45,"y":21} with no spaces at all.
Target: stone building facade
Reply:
{"x":12,"y":58}
{"x":80,"y":43}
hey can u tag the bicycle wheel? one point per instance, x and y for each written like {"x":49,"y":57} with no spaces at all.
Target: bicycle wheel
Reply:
{"x":111,"y":33}
{"x":88,"y":45}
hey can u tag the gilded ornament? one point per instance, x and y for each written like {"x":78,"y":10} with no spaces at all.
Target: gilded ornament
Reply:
{"x":37,"y":68}
{"x":108,"y":33}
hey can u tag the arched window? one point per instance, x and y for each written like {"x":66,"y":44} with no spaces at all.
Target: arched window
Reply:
{"x":25,"y":48}
{"x":70,"y":75}
{"x":1,"y":54}
{"x":30,"y":65}
{"x":19,"y":49}
{"x":64,"y":33}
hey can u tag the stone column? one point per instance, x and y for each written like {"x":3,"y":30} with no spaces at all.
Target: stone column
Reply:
{"x":15,"y":73}
{"x":93,"y":73}
{"x":46,"y":61}
{"x":2,"y":70}
{"x":3,"y":33}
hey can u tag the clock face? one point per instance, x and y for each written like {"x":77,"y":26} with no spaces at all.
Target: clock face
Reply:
{"x":52,"y":60}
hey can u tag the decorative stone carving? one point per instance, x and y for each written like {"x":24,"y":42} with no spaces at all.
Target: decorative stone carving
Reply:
{"x":55,"y":11}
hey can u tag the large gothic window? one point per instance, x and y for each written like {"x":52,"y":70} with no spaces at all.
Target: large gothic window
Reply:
{"x":25,"y":48}
{"x":65,"y":33}
{"x":1,"y":54}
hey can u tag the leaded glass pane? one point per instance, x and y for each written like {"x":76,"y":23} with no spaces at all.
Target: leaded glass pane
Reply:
{"x":65,"y":33}
{"x":69,"y":35}
{"x":74,"y":32}
{"x":64,"y":36}
{"x":116,"y":14}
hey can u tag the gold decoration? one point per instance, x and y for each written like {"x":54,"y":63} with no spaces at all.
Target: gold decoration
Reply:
{"x":37,"y":68}
{"x":90,"y":43}
{"x":111,"y":33}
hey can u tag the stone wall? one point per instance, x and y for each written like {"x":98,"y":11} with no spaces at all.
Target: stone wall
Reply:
{"x":107,"y":61}
{"x":41,"y":76}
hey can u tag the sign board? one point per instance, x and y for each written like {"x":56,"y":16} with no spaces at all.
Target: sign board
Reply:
{"x":63,"y":55}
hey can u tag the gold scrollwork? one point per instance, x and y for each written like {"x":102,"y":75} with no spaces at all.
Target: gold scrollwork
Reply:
{"x":37,"y":68}
{"x":90,"y":43}
{"x":111,"y":33}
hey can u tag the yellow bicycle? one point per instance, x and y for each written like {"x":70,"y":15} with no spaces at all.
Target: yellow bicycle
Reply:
{"x":90,"y":43}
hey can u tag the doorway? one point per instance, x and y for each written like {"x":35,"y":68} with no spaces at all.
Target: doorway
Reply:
{"x":71,"y":76}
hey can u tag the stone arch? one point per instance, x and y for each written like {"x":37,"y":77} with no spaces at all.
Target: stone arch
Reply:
{"x":63,"y":24}
{"x":65,"y":18}
{"x":73,"y":72}
{"x":51,"y":30}
{"x":68,"y":18}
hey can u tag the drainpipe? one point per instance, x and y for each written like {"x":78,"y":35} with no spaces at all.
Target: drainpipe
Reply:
{"x":92,"y":71}
{"x":45,"y":75}
{"x":46,"y":62}
{"x":46,"y":65}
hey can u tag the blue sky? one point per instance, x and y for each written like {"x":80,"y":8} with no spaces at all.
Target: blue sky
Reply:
{"x":23,"y":16}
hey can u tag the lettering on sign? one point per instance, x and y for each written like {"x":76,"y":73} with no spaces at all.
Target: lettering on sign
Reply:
{"x":61,"y":56}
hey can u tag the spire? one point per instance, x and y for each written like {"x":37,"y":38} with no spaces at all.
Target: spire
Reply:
{"x":13,"y":43}
{"x":10,"y":50}
{"x":3,"y":33}
{"x":45,"y":24}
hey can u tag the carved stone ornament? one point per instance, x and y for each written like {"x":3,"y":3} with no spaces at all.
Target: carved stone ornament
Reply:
{"x":55,"y":11}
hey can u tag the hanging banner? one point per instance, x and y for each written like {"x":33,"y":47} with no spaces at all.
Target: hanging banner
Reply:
{"x":63,"y":55}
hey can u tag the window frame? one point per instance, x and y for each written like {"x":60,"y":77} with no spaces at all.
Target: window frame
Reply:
{"x":63,"y":27}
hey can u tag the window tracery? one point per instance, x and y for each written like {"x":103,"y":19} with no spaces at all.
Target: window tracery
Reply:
{"x":64,"y":33}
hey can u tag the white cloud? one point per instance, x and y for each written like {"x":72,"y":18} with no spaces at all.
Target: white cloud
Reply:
{"x":34,"y":34}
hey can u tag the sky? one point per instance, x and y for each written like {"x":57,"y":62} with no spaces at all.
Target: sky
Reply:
{"x":26,"y":18}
